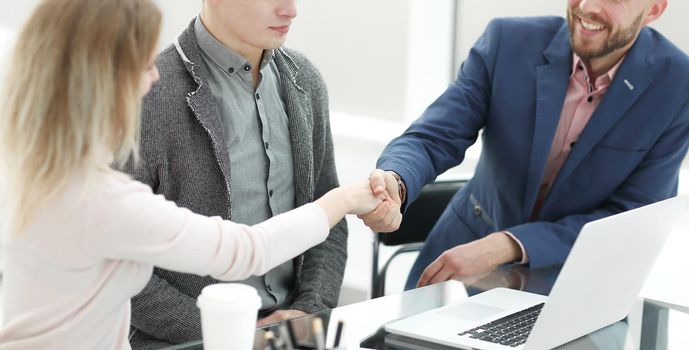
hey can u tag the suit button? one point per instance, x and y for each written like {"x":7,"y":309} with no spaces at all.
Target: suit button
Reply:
{"x":477,"y":211}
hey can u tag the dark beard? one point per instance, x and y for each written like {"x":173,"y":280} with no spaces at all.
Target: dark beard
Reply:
{"x":617,"y":41}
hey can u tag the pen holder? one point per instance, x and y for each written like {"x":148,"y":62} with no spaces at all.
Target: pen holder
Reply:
{"x":300,"y":334}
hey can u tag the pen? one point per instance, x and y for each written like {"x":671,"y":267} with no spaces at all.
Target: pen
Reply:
{"x":338,"y":333}
{"x":270,"y":340}
{"x":317,"y":328}
{"x":290,"y":333}
{"x":286,"y":336}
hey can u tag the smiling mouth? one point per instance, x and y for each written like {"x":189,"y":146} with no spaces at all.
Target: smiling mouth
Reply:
{"x":591,"y":26}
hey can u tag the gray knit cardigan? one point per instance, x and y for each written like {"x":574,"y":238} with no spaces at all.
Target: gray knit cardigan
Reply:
{"x":184,"y":156}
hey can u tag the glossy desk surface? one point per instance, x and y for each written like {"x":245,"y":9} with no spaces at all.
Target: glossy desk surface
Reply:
{"x":647,"y":327}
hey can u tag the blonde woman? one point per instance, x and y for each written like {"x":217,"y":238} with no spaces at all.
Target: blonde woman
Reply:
{"x":81,"y":238}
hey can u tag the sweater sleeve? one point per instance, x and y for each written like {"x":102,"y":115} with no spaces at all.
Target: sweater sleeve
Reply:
{"x":322,"y":271}
{"x":134,"y":224}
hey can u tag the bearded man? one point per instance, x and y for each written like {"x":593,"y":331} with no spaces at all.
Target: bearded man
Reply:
{"x":581,"y":118}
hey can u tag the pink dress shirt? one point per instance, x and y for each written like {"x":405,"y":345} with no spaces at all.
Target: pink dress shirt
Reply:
{"x":582,"y":99}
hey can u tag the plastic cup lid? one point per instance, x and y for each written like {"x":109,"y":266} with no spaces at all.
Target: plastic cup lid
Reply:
{"x":231,"y":295}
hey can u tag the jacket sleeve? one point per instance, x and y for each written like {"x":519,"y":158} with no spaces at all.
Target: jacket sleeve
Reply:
{"x":164,"y":313}
{"x":439,"y":139}
{"x":320,"y":277}
{"x":322,"y":271}
{"x":160,"y":310}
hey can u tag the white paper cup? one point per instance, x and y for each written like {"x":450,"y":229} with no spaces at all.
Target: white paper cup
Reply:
{"x":228,"y":316}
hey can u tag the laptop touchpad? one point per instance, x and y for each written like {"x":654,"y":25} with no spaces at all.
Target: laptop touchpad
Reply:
{"x":471,"y":311}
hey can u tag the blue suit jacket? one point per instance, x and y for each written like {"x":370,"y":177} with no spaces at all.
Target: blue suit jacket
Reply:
{"x":512,"y":86}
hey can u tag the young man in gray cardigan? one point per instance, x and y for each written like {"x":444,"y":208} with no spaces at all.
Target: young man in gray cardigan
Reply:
{"x":237,"y":127}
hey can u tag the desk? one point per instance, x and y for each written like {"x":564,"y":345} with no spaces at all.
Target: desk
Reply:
{"x":645,"y":328}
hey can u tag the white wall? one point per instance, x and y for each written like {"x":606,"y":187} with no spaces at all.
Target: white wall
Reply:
{"x":176,"y":15}
{"x":13,"y":13}
{"x":379,"y":58}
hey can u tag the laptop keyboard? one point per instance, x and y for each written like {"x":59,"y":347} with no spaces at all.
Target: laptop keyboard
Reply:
{"x":511,"y":330}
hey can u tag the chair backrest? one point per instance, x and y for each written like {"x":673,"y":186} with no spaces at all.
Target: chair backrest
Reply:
{"x":422,"y":214}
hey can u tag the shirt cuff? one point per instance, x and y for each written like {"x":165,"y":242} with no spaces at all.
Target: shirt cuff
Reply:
{"x":525,"y":258}
{"x":401,"y":187}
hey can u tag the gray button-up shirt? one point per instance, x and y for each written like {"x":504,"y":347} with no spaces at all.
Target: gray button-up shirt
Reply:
{"x":256,"y":127}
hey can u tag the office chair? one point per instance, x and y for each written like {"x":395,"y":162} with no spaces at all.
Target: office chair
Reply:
{"x":417,"y":222}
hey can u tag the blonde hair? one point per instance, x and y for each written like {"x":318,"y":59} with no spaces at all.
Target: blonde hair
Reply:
{"x":72,"y":96}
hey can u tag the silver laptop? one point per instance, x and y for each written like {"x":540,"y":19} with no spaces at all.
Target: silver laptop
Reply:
{"x":597,"y":286}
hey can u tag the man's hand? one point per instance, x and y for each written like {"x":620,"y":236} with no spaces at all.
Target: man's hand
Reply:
{"x":387,"y":217}
{"x":279,"y":316}
{"x":479,"y":256}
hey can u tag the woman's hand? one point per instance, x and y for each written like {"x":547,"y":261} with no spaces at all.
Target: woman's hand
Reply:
{"x":361,"y":198}
{"x":356,"y":198}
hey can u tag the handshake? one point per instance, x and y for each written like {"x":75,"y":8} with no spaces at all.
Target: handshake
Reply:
{"x":376,"y":201}
{"x":387,"y":216}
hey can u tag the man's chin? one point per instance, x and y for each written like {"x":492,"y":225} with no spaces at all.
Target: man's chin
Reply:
{"x":587,"y":54}
{"x":585,"y":51}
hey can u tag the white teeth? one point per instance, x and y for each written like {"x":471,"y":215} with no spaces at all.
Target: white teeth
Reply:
{"x":591,"y":26}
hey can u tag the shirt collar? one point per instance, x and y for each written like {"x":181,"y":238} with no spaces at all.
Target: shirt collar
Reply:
{"x":222,"y":55}
{"x":608,"y":76}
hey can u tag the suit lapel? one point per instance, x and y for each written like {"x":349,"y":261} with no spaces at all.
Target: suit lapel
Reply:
{"x":551,"y":87}
{"x":297,"y":104}
{"x":202,"y":102}
{"x":628,"y":85}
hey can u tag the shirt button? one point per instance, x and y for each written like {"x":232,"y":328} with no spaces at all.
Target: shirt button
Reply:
{"x":231,"y":70}
{"x":269,"y":288}
{"x":270,"y":193}
{"x":258,"y":97}
{"x":590,"y":99}
{"x":247,"y":68}
{"x":266,"y":145}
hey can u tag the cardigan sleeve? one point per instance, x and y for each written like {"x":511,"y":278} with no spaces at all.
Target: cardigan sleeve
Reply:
{"x":134,"y":224}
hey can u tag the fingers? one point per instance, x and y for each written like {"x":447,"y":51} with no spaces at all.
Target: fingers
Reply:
{"x":393,"y":188}
{"x":378,"y":181}
{"x":270,"y":319}
{"x":382,"y":181}
{"x":279,"y":316}
{"x":429,"y":273}
{"x":376,"y":215}
{"x":394,"y":224}
{"x":385,"y":218}
{"x":292,"y":313}
{"x":443,"y":274}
